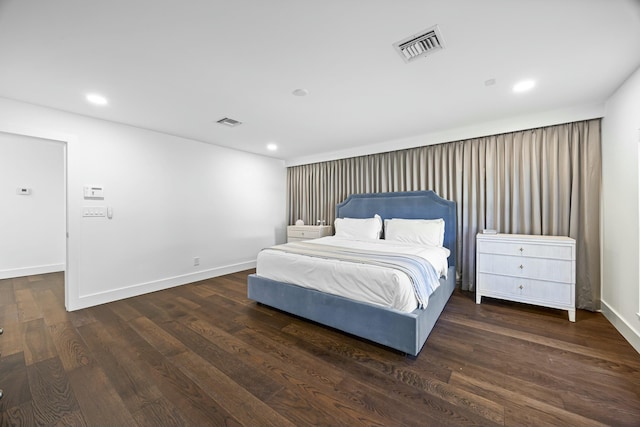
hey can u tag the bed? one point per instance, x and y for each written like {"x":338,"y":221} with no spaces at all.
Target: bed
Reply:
{"x":401,"y":330}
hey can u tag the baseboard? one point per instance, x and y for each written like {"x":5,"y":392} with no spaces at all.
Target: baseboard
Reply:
{"x":627,"y":331}
{"x":30,"y":271}
{"x":90,"y":300}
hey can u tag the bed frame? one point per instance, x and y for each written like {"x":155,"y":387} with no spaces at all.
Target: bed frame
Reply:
{"x":406,"y":332}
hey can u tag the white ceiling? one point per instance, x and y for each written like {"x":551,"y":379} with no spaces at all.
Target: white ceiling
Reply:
{"x":179,"y":66}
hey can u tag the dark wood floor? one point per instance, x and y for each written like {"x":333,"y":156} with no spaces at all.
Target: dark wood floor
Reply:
{"x":202,"y":354}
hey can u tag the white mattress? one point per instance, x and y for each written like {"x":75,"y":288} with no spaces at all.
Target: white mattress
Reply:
{"x":361,"y":282}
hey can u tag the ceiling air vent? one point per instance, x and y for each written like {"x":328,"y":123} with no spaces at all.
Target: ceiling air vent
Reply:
{"x":229,"y":122}
{"x":420,"y":44}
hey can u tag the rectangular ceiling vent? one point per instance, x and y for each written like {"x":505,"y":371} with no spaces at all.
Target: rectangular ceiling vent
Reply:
{"x":420,"y":44}
{"x":229,"y":122}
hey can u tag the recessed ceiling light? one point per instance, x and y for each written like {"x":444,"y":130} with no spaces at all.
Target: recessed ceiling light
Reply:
{"x":272,"y":147}
{"x":300,"y":92}
{"x":524,"y":86}
{"x":97,"y":99}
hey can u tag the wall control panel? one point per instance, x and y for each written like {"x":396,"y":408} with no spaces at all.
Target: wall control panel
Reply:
{"x":94,"y":211}
{"x":23,"y":191}
{"x":91,"y":192}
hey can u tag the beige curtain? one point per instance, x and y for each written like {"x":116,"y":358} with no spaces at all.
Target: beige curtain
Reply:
{"x":538,"y":181}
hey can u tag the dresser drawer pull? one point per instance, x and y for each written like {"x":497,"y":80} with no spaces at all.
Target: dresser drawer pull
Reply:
{"x":521,"y":249}
{"x":521,"y":266}
{"x":520,"y":286}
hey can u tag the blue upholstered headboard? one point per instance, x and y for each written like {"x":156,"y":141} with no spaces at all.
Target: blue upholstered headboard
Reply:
{"x":408,"y":204}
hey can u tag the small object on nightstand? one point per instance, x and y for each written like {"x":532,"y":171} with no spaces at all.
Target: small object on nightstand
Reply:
{"x":299,"y":222}
{"x":489,"y":231}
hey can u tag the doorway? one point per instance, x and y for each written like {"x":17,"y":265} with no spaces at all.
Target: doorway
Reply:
{"x":33,"y":196}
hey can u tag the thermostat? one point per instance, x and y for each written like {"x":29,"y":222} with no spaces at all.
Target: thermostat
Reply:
{"x":93,"y":192}
{"x":23,"y":191}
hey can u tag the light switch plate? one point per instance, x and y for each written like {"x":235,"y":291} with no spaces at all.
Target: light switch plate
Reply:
{"x":94,"y":211}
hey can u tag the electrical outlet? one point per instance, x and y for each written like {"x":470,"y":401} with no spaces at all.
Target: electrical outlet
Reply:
{"x":196,"y":261}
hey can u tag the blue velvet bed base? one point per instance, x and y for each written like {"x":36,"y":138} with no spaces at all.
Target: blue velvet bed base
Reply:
{"x":406,"y":332}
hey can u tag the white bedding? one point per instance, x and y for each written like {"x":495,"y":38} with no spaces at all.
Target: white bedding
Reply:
{"x":361,"y":282}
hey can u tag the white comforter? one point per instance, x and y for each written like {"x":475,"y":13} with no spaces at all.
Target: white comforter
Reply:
{"x":361,"y":282}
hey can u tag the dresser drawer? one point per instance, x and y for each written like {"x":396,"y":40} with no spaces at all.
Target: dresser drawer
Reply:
{"x":552,"y":294}
{"x":526,"y":249}
{"x":556,"y":270}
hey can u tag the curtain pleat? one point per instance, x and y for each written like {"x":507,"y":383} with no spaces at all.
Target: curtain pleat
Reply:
{"x":543,"y":181}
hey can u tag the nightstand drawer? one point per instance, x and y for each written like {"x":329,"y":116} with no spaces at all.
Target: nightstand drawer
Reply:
{"x":306,"y":232}
{"x":556,"y":270}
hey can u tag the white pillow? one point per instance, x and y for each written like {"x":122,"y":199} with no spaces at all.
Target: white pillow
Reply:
{"x":419,"y":231}
{"x":359,"y":228}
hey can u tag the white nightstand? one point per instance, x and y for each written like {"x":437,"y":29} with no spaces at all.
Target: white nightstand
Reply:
{"x":530,"y":269}
{"x":296,"y":233}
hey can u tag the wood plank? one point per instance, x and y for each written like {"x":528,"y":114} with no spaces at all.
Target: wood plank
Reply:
{"x":49,"y":307}
{"x":11,"y":339}
{"x":27,"y":307}
{"x":160,"y":412}
{"x":99,"y":402}
{"x":14,"y":381}
{"x":256,"y":382}
{"x":554,"y":415}
{"x":235,"y":399}
{"x":126,"y":375}
{"x":159,"y":339}
{"x":439,"y":394}
{"x":7,"y":296}
{"x":124,"y":310}
{"x":52,"y":396}
{"x":22,"y":415}
{"x":188,"y":399}
{"x":525,"y":357}
{"x":74,"y":418}
{"x":193,"y":403}
{"x":70,"y":346}
{"x":203,"y":354}
{"x":38,"y":345}
{"x":541,"y":340}
{"x":464,"y":365}
{"x":321,"y":397}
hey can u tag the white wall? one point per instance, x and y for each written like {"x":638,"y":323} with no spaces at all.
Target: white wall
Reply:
{"x":173,"y":199}
{"x":621,"y":216}
{"x":32,"y":227}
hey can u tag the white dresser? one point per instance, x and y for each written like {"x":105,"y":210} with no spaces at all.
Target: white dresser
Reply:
{"x":530,"y":269}
{"x":296,"y":233}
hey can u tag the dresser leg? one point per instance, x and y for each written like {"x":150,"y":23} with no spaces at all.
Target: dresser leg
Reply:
{"x":478,"y":297}
{"x":572,"y":315}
